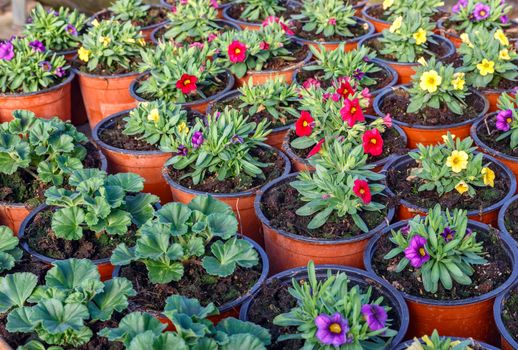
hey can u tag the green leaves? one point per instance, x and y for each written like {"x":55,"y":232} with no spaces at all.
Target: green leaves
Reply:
{"x":177,"y":304}
{"x":192,"y":21}
{"x":259,"y":10}
{"x":10,"y":253}
{"x":327,"y":17}
{"x":129,"y":10}
{"x":15,"y":289}
{"x":229,"y":255}
{"x":132,"y":325}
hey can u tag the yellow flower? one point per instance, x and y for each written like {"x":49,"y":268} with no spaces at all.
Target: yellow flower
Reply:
{"x":488,"y":176}
{"x":420,"y":36}
{"x":458,"y":82}
{"x":500,"y":36}
{"x":396,"y":24}
{"x":84,"y":54}
{"x":427,"y":340}
{"x":387,"y":4}
{"x":141,"y":41}
{"x":462,"y":187}
{"x":430,"y":81}
{"x":154,"y":116}
{"x":457,"y":161}
{"x":183,"y":128}
{"x":95,"y":22}
{"x":422,"y":61}
{"x":445,"y":137}
{"x":416,"y":345}
{"x":105,"y":40}
{"x":504,"y":55}
{"x":130,"y":41}
{"x":486,"y":67}
{"x":465,"y":39}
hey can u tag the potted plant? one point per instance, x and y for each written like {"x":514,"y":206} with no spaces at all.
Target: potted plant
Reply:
{"x":328,"y":306}
{"x":184,"y":75}
{"x":488,"y":59}
{"x":274,"y":101}
{"x":144,"y":17}
{"x":10,"y":252}
{"x":219,"y":5}
{"x":507,"y":218}
{"x":468,"y":16}
{"x":382,"y":15}
{"x":67,"y":311}
{"x":193,"y":250}
{"x":438,"y":101}
{"x":338,"y":112}
{"x":326,"y":215}
{"x":497,"y":133}
{"x":452,"y":174}
{"x":407,"y":40}
{"x":31,"y":77}
{"x":505,"y":317}
{"x":252,"y":14}
{"x":227,"y":159}
{"x":440,"y":264}
{"x":192,"y":329}
{"x":87,"y":218}
{"x":435,"y":342}
{"x":37,"y":153}
{"x":107,"y":64}
{"x":261,"y":55}
{"x":328,"y":23}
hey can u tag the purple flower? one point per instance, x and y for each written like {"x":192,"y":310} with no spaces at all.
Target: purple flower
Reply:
{"x":197,"y":139}
{"x":366,"y":59}
{"x":405,"y":230}
{"x":60,"y":72}
{"x":358,"y":74}
{"x":504,"y":119}
{"x":52,"y":12}
{"x":416,"y":251}
{"x":326,"y":196}
{"x":332,"y":330}
{"x":469,"y":232}
{"x":375,"y":315}
{"x":236,"y":139}
{"x":71,"y":29}
{"x":46,"y":66}
{"x":461,"y":3}
{"x":182,"y":151}
{"x":448,"y":234}
{"x":6,"y":51}
{"x":504,"y":19}
{"x":481,"y":11}
{"x":37,"y":46}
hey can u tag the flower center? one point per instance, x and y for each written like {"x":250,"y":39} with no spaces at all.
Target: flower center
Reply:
{"x":509,"y":120}
{"x":482,"y":13}
{"x":304,"y":123}
{"x":186,"y":82}
{"x":335,"y":328}
{"x":456,"y":161}
{"x":362,"y":191}
{"x":237,"y":51}
{"x":422,"y":252}
{"x":431,"y":81}
{"x":353,"y":110}
{"x":374,"y":141}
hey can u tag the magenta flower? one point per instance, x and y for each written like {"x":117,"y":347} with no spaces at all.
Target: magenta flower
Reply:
{"x":182,"y":151}
{"x":375,"y":315}
{"x":311,"y":82}
{"x":358,"y":74}
{"x":214,"y":3}
{"x":481,"y":11}
{"x":6,"y":51}
{"x":460,"y":4}
{"x":504,"y":19}
{"x":70,"y":29}
{"x":197,"y":44}
{"x":504,"y":119}
{"x":332,"y":21}
{"x":405,"y":230}
{"x":60,"y":72}
{"x":332,"y":330}
{"x":236,"y":139}
{"x":448,"y":234}
{"x":197,"y":139}
{"x":37,"y":46}
{"x":416,"y":251}
{"x":212,"y":37}
{"x":387,"y":120}
{"x":46,"y":66}
{"x":263,"y":45}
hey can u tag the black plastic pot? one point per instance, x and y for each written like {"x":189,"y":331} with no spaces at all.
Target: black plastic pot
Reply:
{"x":508,"y":342}
{"x":220,"y":22}
{"x":502,"y":214}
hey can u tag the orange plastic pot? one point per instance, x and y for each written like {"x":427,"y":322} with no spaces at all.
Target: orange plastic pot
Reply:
{"x":493,"y":95}
{"x":47,"y":103}
{"x":79,"y":116}
{"x":379,"y":24}
{"x":106,"y":95}
{"x":507,"y":340}
{"x":359,"y":7}
{"x":430,"y":134}
{"x":199,"y":106}
{"x":147,"y":164}
{"x":287,"y":250}
{"x":489,"y":215}
{"x":466,"y":318}
{"x":12,"y":215}
{"x":242,"y":203}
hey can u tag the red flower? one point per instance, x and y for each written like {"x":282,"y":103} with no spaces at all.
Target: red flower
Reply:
{"x":264,"y":45}
{"x":372,"y":142}
{"x":352,"y":112}
{"x":304,"y":126}
{"x":187,"y":83}
{"x":316,"y":149}
{"x":345,"y":89}
{"x":236,"y":52}
{"x":362,"y":190}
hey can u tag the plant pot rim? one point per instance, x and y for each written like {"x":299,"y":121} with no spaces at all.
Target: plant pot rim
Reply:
{"x":388,"y":290}
{"x":507,"y":245}
{"x":151,"y":6}
{"x":377,"y":102}
{"x":234,"y":93}
{"x":437,"y":38}
{"x":485,"y":147}
{"x":251,"y":192}
{"x":155,"y":40}
{"x":67,"y":81}
{"x":495,"y":206}
{"x":253,"y":290}
{"x":497,"y":315}
{"x":103,"y":77}
{"x":317,"y":241}
{"x":230,"y":85}
{"x":366,"y":15}
{"x":503,"y":212}
{"x":403,"y":346}
{"x":65,"y":52}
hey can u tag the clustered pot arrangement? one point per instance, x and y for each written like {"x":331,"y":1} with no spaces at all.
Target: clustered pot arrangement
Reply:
{"x":252,"y":14}
{"x":441,"y":264}
{"x":436,"y":342}
{"x":37,"y":153}
{"x":505,"y":317}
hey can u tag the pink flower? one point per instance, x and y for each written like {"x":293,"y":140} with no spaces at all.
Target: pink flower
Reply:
{"x":387,"y":120}
{"x":332,"y":21}
{"x":214,"y":3}
{"x":264,"y":45}
{"x":352,"y":112}
{"x":184,"y":2}
{"x":336,"y":97}
{"x":212,"y":37}
{"x":236,"y":52}
{"x":366,"y":94}
{"x":197,"y":44}
{"x":316,"y":149}
{"x":310,"y":82}
{"x":269,"y":20}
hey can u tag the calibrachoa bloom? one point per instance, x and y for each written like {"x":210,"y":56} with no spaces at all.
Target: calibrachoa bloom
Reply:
{"x":304,"y":125}
{"x":182,"y":151}
{"x":488,"y":176}
{"x":504,"y":119}
{"x":311,"y":82}
{"x":84,"y":54}
{"x":316,"y":149}
{"x":372,"y":142}
{"x":60,"y":72}
{"x":448,"y":234}
{"x":486,"y":67}
{"x":396,"y":24}
{"x":236,"y":52}
{"x":462,"y":187}
{"x":187,"y":83}
{"x":274,"y":19}
{"x":420,"y":36}
{"x":362,"y":190}
{"x":405,"y":230}
{"x":45,"y":66}
{"x":375,"y":315}
{"x":481,"y":11}
{"x":264,"y":45}
{"x":71,"y":29}
{"x":344,"y":89}
{"x":352,"y":112}
{"x":500,"y":36}
{"x":332,"y":21}
{"x":457,"y":161}
{"x":358,"y":74}
{"x":332,"y":330}
{"x":457,"y":7}
{"x":504,"y":19}
{"x":37,"y":45}
{"x":458,"y":81}
{"x":197,"y":139}
{"x":387,"y":120}
{"x":154,"y":116}
{"x":416,"y":252}
{"x":237,"y":139}
{"x":183,"y":128}
{"x":6,"y":51}
{"x":430,"y":81}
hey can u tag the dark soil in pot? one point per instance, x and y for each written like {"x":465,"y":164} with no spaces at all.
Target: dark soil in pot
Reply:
{"x":379,"y":13}
{"x":357,"y":31}
{"x":21,"y":187}
{"x":211,"y":184}
{"x":298,"y":52}
{"x":110,"y":72}
{"x":510,"y":314}
{"x":485,"y":278}
{"x":155,"y":15}
{"x":484,"y":198}
{"x":235,"y":11}
{"x":488,"y":133}
{"x":397,"y":103}
{"x":511,"y":220}
{"x":30,"y":264}
{"x":437,"y":49}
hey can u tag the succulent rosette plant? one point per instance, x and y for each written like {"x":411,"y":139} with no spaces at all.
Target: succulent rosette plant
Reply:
{"x":392,"y":9}
{"x":469,"y":16}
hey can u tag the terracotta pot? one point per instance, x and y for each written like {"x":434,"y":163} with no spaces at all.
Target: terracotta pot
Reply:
{"x":232,"y":308}
{"x":79,"y":116}
{"x":406,"y":70}
{"x":47,"y":103}
{"x":350,"y":44}
{"x":466,"y":318}
{"x":274,"y":139}
{"x":242,"y":203}
{"x":430,"y":134}
{"x":359,"y":7}
{"x":507,"y":340}
{"x":357,"y":277}
{"x":493,"y":95}
{"x":510,"y":161}
{"x":502,"y":215}
{"x":4,"y":345}
{"x":147,"y":164}
{"x":105,"y":95}
{"x":199,"y":106}
{"x":155,"y":39}
{"x":379,"y":24}
{"x":489,"y":215}
{"x":288,"y":250}
{"x":103,"y":265}
{"x":482,"y":345}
